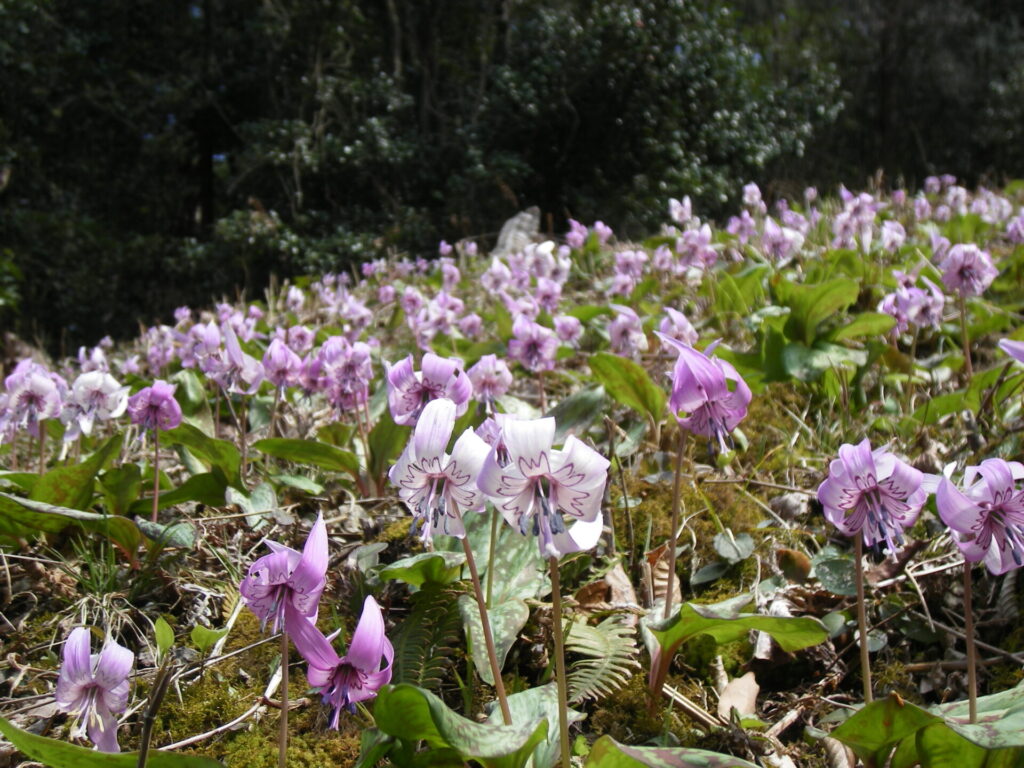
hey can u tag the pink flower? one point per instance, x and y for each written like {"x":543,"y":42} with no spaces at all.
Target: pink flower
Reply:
{"x":344,"y":681}
{"x":154,"y":407}
{"x":286,"y":585}
{"x":968,"y":270}
{"x":409,"y":391}
{"x":94,"y":687}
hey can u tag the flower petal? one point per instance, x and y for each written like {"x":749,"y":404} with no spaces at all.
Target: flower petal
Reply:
{"x":434,"y":429}
{"x":102,"y":727}
{"x":312,"y":566}
{"x":367,"y":644}
{"x":310,"y":642}
{"x":529,"y":442}
{"x":77,"y":666}
{"x":114,"y":665}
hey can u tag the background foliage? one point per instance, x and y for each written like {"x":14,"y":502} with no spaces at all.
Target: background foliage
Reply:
{"x":158,"y":153}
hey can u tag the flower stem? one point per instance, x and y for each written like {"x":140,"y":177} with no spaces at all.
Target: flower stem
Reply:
{"x":966,"y":339}
{"x":156,"y":474}
{"x":543,"y":396}
{"x":282,"y":738}
{"x":676,"y":481}
{"x":490,"y":555}
{"x":42,"y":446}
{"x":156,"y":697}
{"x":972,"y":655}
{"x":563,"y":688}
{"x":492,"y":656}
{"x":862,"y":620}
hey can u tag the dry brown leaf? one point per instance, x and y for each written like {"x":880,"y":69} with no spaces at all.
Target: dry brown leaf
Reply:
{"x":657,"y":559}
{"x":612,"y":592}
{"x":741,"y":693}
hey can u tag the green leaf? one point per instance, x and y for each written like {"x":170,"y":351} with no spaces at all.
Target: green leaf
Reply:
{"x":310,"y":452}
{"x":205,"y":638}
{"x":164,"y":635}
{"x":386,"y":440}
{"x":628,"y":383}
{"x":733,"y":548}
{"x":808,"y":363}
{"x":426,"y":568}
{"x":588,"y":312}
{"x":298,"y":482}
{"x":575,"y":414}
{"x":874,"y":731}
{"x":73,"y":486}
{"x":864,"y":324}
{"x":532,"y":706}
{"x":811,"y":305}
{"x":22,"y":517}
{"x":259,"y":502}
{"x":121,"y":486}
{"x":837,"y":575}
{"x":413,"y":714}
{"x":506,"y":620}
{"x":215,"y":453}
{"x":608,"y":753}
{"x":936,"y":408}
{"x":192,"y":397}
{"x":61,"y":754}
{"x":206,"y":488}
{"x":179,"y":534}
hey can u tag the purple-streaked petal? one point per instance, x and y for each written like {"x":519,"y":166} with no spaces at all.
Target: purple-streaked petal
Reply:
{"x":77,"y":666}
{"x":434,"y":429}
{"x":998,"y":477}
{"x":902,"y":481}
{"x":438,"y":372}
{"x":114,"y":665}
{"x":859,"y":463}
{"x":367,"y":644}
{"x":272,"y":569}
{"x":959,"y":512}
{"x":529,"y":443}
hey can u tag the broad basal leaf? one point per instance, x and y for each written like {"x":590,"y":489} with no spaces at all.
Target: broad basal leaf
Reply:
{"x":310,"y":452}
{"x":426,"y":567}
{"x":608,"y":753}
{"x":628,"y":383}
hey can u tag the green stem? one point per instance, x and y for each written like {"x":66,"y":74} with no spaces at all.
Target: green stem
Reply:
{"x":972,"y":655}
{"x":492,"y":656}
{"x":862,"y":620}
{"x":676,"y":482}
{"x":156,"y":473}
{"x":563,"y":687}
{"x":966,"y":339}
{"x":282,"y":738}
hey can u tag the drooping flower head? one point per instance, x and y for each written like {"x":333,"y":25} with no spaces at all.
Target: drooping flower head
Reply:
{"x":532,"y":345}
{"x":626,"y":332}
{"x":33,"y":395}
{"x":533,"y":484}
{"x":709,"y":391}
{"x":410,"y":390}
{"x":872,"y":493}
{"x":987,"y":516}
{"x":287,"y":583}
{"x":154,"y":407}
{"x":94,"y":396}
{"x":281,"y":364}
{"x":439,"y":488}
{"x":344,"y":681}
{"x":491,"y":379}
{"x":94,"y":687}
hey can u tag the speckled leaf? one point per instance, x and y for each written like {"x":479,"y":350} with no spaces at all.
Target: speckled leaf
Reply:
{"x":530,"y":706}
{"x":215,"y":453}
{"x":938,"y":746}
{"x":72,"y":486}
{"x":608,"y":753}
{"x":427,"y":567}
{"x":20,"y":516}
{"x":206,"y":488}
{"x":411,"y":714}
{"x":61,"y":754}
{"x":310,"y":452}
{"x":506,"y":619}
{"x":874,"y":731}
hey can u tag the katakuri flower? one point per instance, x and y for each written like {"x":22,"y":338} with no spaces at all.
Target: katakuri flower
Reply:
{"x":709,"y":391}
{"x":94,"y":396}
{"x":968,"y":270}
{"x":287,"y":583}
{"x":344,"y":681}
{"x":154,"y":407}
{"x":987,"y":517}
{"x":872,"y":493}
{"x":94,"y":687}
{"x":439,"y":488}
{"x":533,"y":345}
{"x":532,"y":484}
{"x":491,"y":379}
{"x":409,"y":391}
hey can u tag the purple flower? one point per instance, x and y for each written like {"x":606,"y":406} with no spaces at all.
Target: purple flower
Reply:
{"x":987,"y":517}
{"x":568,"y":328}
{"x":409,"y":391}
{"x":436,"y":487}
{"x":678,"y":327}
{"x":281,"y":365}
{"x":968,"y":270}
{"x":346,"y":680}
{"x":577,"y":234}
{"x":532,"y":484}
{"x":33,"y":395}
{"x":701,"y":390}
{"x":533,"y":345}
{"x":626,"y":332}
{"x":603,"y":232}
{"x":300,"y":338}
{"x":1014,"y":349}
{"x":286,"y":585}
{"x":680,"y":211}
{"x":471,"y":325}
{"x":872,"y":493}
{"x":491,"y":379}
{"x":94,"y":687}
{"x":154,"y":407}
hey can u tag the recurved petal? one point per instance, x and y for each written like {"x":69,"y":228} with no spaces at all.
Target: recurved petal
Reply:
{"x":368,"y":640}
{"x":272,"y":569}
{"x":434,"y":429}
{"x":859,"y":463}
{"x":438,"y":371}
{"x":957,"y":511}
{"x":114,"y":665}
{"x":311,"y":643}
{"x":998,"y":476}
{"x":77,"y":666}
{"x":467,"y":460}
{"x":581,"y":535}
{"x":903,"y":480}
{"x":1014,"y":349}
{"x":312,"y":566}
{"x":529,"y":444}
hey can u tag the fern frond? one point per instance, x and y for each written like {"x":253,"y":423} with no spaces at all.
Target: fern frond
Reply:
{"x":609,"y":658}
{"x":425,"y":642}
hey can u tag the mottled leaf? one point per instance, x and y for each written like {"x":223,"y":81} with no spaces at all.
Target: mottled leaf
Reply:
{"x":627,"y":382}
{"x":506,"y":620}
{"x":310,"y":452}
{"x":426,"y":567}
{"x":608,"y":753}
